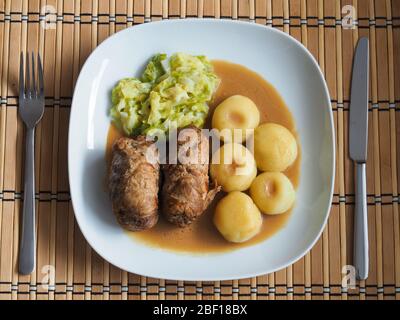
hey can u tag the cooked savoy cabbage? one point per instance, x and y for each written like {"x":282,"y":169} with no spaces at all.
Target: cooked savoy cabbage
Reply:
{"x":171,"y":93}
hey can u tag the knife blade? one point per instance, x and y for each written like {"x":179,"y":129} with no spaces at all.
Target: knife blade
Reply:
{"x":358,"y":136}
{"x":358,"y":130}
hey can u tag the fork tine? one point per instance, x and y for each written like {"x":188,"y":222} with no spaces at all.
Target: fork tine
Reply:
{"x":34,"y":89}
{"x":40,"y":72}
{"x":21,"y":77}
{"x":27,"y":79}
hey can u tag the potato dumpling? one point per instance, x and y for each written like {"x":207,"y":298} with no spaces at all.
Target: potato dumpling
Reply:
{"x":236,"y":112}
{"x":272,"y":192}
{"x":237,"y":218}
{"x":233,"y":167}
{"x":275,"y":147}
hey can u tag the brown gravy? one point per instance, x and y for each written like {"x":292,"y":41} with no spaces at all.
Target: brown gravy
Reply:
{"x":202,"y":237}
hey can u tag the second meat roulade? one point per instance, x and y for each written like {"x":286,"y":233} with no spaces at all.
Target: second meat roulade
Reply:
{"x":186,"y":192}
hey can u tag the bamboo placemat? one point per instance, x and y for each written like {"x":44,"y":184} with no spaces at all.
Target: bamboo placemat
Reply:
{"x":65,"y":32}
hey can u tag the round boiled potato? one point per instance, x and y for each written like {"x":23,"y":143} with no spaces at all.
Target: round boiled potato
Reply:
{"x":275,"y":147}
{"x":233,"y":167}
{"x":272,"y":192}
{"x":237,"y":218}
{"x":233,"y":116}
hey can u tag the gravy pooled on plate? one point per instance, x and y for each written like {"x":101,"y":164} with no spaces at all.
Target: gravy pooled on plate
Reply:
{"x":202,"y":236}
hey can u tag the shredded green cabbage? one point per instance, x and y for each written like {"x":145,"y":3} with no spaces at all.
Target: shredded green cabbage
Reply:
{"x":171,"y":93}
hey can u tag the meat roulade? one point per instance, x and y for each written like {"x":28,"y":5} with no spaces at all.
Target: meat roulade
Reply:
{"x":134,"y":183}
{"x":186,"y":193}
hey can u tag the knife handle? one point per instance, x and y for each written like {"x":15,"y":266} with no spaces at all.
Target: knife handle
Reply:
{"x":361,"y":260}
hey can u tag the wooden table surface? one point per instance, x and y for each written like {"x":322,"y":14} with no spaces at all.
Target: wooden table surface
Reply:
{"x":64,"y":32}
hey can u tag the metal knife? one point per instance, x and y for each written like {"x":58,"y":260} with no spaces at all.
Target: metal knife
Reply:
{"x":358,"y":132}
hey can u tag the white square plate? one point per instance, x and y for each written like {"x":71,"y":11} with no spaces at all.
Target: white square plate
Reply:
{"x":282,"y":61}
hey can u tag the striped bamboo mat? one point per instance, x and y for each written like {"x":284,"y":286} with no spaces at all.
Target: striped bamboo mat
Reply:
{"x":66,"y":31}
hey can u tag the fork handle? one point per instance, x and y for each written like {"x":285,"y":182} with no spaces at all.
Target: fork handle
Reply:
{"x":28,"y":244}
{"x":361,"y":261}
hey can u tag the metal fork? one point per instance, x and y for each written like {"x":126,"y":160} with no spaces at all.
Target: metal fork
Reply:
{"x":31,"y":108}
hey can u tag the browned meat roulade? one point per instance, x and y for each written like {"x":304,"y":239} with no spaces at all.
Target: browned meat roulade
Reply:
{"x":185,"y":193}
{"x":133,"y":183}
